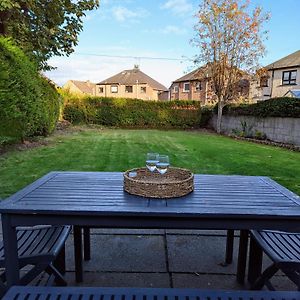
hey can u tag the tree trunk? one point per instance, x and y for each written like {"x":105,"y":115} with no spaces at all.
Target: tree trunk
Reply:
{"x":219,"y":118}
{"x":3,"y":18}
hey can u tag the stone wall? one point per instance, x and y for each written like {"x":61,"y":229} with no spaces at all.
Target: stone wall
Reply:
{"x":282,"y":130}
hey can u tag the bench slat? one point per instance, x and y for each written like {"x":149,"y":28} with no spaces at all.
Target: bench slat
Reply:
{"x":72,"y":293}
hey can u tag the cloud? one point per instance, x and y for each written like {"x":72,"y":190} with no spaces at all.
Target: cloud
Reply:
{"x":178,"y":7}
{"x":171,"y":29}
{"x":122,"y":14}
{"x":96,"y":69}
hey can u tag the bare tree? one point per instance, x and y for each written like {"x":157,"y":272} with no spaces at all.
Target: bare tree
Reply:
{"x":230,"y":39}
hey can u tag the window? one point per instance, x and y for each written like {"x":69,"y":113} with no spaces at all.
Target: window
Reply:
{"x":176,"y":89}
{"x":289,"y":77}
{"x":114,"y":88}
{"x":143,"y":89}
{"x":198,"y":86}
{"x":128,"y":89}
{"x":101,"y":90}
{"x":264,"y":81}
{"x":186,"y":87}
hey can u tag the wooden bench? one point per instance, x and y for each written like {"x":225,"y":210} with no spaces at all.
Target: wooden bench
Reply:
{"x":43,"y":248}
{"x":82,"y":293}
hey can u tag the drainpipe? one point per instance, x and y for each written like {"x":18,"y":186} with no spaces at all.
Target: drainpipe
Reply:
{"x":272,"y":83}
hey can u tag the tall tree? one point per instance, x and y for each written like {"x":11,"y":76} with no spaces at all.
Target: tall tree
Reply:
{"x":230,"y":38}
{"x":44,"y":28}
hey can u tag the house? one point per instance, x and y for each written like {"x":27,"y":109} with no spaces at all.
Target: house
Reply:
{"x":132,"y":84}
{"x":80,"y":87}
{"x":280,"y":78}
{"x":197,"y":85}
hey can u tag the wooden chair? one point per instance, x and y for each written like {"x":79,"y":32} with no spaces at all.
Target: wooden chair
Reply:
{"x":40,"y":247}
{"x":283,"y":248}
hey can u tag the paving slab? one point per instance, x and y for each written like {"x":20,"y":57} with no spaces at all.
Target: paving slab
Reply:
{"x":125,"y":253}
{"x":158,"y":280}
{"x":202,"y":254}
{"x":206,"y":281}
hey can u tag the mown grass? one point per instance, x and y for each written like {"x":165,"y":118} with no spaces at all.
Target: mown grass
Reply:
{"x":119,"y":150}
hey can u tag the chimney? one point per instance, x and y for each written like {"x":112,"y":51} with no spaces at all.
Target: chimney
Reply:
{"x":136,"y":67}
{"x":88,"y":83}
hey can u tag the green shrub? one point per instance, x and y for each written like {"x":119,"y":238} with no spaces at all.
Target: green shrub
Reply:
{"x":122,"y":112}
{"x":29,"y":104}
{"x":277,"y":107}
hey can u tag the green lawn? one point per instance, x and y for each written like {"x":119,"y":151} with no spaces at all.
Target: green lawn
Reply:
{"x":119,"y":150}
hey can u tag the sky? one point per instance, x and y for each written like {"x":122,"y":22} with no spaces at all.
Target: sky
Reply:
{"x":156,"y":35}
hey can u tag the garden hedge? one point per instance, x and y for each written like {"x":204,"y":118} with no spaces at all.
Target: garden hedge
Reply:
{"x":276,"y":107}
{"x":29,"y":104}
{"x":127,"y":113}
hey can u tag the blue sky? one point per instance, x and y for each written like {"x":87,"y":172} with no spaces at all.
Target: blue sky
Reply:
{"x":159,"y":29}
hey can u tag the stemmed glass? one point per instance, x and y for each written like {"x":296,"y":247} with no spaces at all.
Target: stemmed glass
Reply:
{"x":163,"y":164}
{"x":151,"y":161}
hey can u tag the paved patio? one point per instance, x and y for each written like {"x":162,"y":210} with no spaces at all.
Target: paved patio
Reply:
{"x":159,"y":258}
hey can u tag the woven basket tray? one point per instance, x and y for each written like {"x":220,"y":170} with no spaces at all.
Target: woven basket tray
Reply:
{"x":175,"y":183}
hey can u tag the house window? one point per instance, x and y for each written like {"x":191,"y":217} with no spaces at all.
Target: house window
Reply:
{"x":289,"y":77}
{"x":101,"y":90}
{"x":176,"y":89}
{"x":143,"y":89}
{"x":114,"y":89}
{"x":128,"y":89}
{"x":186,"y":87}
{"x":264,"y":81}
{"x":198,"y":86}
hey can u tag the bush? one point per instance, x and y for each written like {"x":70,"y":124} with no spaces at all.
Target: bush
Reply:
{"x":29,"y":104}
{"x":277,"y":107}
{"x":122,"y":112}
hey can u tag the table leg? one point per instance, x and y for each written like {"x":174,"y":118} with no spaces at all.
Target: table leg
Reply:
{"x":255,"y":261}
{"x":78,"y":254}
{"x":87,"y":243}
{"x":12,"y":268}
{"x":242,"y":259}
{"x":229,"y":246}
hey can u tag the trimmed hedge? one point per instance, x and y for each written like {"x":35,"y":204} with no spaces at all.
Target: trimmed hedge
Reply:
{"x":29,"y":104}
{"x":277,"y":107}
{"x":127,"y":113}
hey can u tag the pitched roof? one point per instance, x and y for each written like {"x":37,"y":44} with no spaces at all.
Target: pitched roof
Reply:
{"x":291,"y":60}
{"x":84,"y":86}
{"x":131,"y":77}
{"x":194,"y":75}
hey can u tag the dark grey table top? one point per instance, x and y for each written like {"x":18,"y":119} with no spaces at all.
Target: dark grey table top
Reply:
{"x":101,"y":193}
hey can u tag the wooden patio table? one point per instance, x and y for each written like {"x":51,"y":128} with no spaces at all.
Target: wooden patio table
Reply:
{"x":97,"y":199}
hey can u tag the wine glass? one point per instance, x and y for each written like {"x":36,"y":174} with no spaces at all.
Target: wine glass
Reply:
{"x":162,"y":164}
{"x":151,"y":161}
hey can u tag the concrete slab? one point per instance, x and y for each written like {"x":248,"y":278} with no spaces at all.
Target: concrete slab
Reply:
{"x":123,"y":253}
{"x":206,"y":281}
{"x":202,"y":254}
{"x":159,"y":280}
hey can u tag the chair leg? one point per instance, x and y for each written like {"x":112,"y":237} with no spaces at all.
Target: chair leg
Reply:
{"x":86,"y":243}
{"x":59,"y":280}
{"x":229,"y":246}
{"x":266,"y":275}
{"x":60,"y":261}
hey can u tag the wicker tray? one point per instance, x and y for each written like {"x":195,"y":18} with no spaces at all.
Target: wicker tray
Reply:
{"x":175,"y":183}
